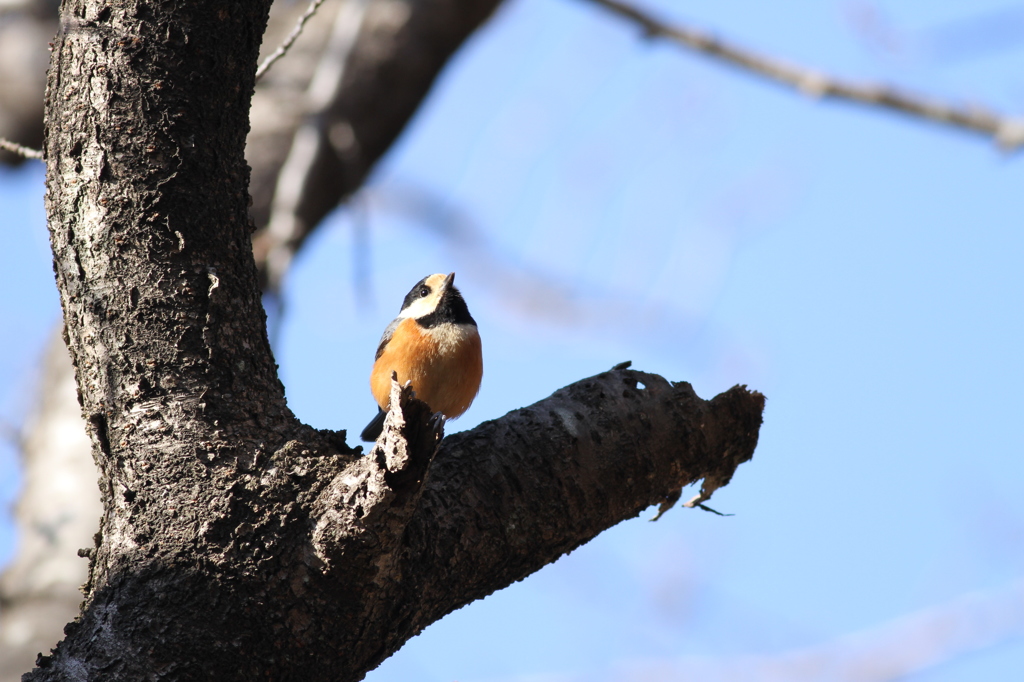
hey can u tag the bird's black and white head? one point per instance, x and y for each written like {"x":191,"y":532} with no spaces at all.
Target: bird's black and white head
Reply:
{"x":435,"y":301}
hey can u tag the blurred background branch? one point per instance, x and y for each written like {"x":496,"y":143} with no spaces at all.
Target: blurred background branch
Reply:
{"x":20,"y":150}
{"x":321,"y":125}
{"x":1008,"y":133}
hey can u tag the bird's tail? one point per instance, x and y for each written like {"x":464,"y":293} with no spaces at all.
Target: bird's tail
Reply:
{"x":373,"y":429}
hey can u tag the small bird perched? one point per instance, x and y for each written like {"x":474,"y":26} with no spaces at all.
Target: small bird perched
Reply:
{"x":434,"y":344}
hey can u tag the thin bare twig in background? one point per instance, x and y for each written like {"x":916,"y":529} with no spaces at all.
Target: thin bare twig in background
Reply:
{"x":312,"y":138}
{"x":20,"y":150}
{"x":292,"y":37}
{"x":1008,"y":133}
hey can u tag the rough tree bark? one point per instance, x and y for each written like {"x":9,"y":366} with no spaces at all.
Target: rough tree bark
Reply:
{"x":237,"y":543}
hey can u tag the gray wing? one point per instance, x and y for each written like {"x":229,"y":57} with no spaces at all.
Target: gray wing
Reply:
{"x":386,"y":337}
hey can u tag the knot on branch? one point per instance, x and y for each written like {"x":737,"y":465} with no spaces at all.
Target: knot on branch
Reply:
{"x":372,"y":500}
{"x":410,"y":437}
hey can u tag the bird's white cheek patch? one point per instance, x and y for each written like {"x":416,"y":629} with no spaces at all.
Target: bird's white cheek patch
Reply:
{"x":421,"y":307}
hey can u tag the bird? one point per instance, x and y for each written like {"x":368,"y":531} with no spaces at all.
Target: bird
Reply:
{"x":434,"y":344}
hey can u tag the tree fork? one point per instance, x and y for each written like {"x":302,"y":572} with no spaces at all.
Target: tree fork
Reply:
{"x":237,"y":543}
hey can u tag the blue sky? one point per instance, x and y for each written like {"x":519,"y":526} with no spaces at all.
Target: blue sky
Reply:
{"x":613,"y":198}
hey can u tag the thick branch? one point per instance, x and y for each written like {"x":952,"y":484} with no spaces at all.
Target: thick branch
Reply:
{"x":1008,"y":133}
{"x":516,"y":493}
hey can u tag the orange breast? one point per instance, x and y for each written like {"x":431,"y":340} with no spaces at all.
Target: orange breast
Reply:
{"x":444,"y":364}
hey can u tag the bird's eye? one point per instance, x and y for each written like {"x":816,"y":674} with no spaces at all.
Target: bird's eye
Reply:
{"x":424,"y":291}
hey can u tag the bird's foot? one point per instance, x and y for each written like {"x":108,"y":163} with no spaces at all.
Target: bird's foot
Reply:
{"x":436,"y":424}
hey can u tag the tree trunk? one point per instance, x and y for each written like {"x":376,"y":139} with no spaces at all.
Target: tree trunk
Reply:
{"x":237,"y":543}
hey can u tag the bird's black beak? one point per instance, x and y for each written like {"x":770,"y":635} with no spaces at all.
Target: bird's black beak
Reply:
{"x":448,"y":282}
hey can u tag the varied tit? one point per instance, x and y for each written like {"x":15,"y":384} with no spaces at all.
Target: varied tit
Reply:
{"x":434,"y":344}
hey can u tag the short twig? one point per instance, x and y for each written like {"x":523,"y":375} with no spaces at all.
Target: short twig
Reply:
{"x":20,"y":150}
{"x":713,"y":511}
{"x":1008,"y":133}
{"x":292,"y":37}
{"x":704,"y":495}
